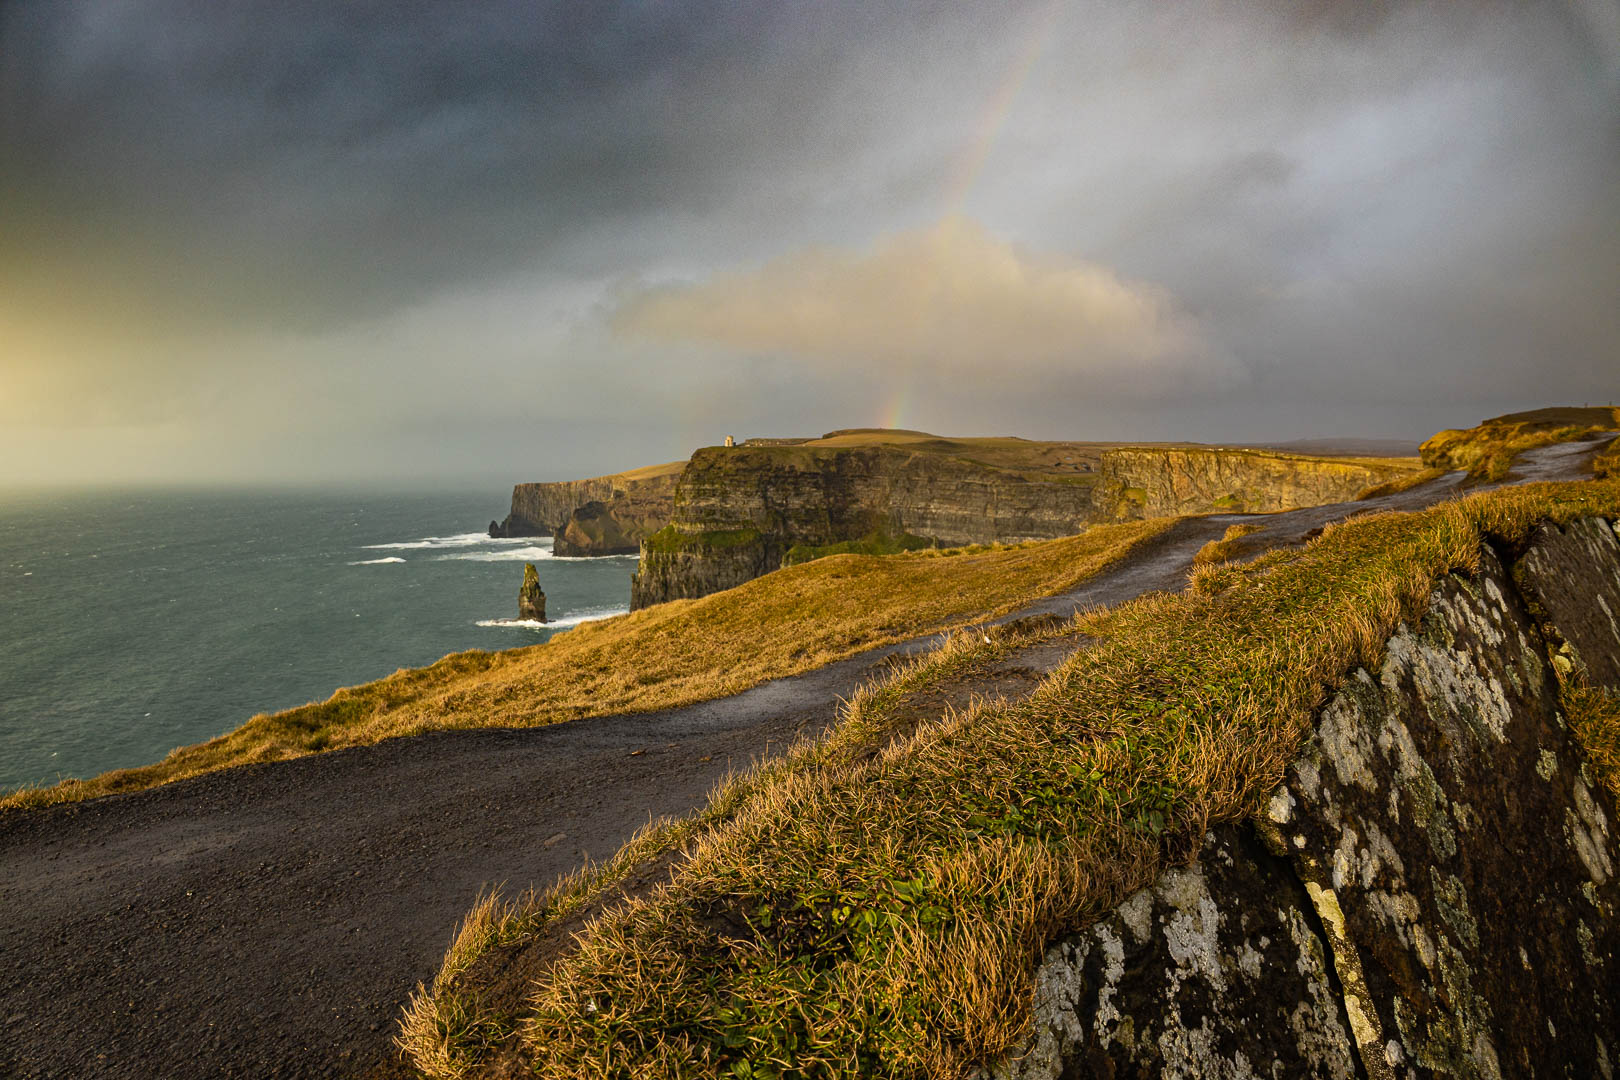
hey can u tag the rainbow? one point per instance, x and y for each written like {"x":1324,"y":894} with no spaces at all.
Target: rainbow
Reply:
{"x":970,"y":162}
{"x":895,"y":410}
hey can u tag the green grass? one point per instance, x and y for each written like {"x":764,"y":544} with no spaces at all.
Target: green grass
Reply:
{"x":671,"y":540}
{"x":665,"y":656}
{"x":880,"y":916}
{"x":873,"y":543}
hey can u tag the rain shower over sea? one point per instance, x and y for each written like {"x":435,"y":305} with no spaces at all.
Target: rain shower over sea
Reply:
{"x":135,"y":622}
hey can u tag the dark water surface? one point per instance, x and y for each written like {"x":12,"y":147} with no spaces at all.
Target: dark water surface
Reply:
{"x":132,"y":623}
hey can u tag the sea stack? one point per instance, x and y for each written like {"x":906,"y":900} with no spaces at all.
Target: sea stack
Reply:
{"x":531,"y":598}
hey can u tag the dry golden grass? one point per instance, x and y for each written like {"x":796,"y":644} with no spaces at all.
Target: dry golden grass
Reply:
{"x":882,"y":916}
{"x":1594,"y":717}
{"x":1487,"y":451}
{"x":1218,"y":551}
{"x":673,"y":654}
{"x":1606,"y":465}
{"x":1402,"y":483}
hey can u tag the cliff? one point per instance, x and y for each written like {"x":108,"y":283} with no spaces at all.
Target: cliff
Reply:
{"x":743,"y":511}
{"x":1158,"y":481}
{"x":738,"y":511}
{"x":1432,"y":891}
{"x":633,"y":504}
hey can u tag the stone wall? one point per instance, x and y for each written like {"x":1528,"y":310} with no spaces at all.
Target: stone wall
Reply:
{"x":1433,"y":890}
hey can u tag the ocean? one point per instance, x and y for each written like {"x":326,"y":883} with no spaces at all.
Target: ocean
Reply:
{"x":135,"y":622}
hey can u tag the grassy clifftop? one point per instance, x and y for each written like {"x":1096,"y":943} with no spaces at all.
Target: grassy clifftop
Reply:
{"x":675,"y":654}
{"x":1488,"y":449}
{"x":871,"y":904}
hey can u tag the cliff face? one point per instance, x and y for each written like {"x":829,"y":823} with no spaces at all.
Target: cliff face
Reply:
{"x":635,"y":503}
{"x":1434,"y":891}
{"x":738,"y":510}
{"x":1152,"y":482}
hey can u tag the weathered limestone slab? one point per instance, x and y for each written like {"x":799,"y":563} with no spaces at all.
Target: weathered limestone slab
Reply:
{"x":1439,"y":890}
{"x":1571,"y":577}
{"x":1219,"y":970}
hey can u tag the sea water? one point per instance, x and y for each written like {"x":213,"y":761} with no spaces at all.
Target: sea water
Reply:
{"x":135,"y":622}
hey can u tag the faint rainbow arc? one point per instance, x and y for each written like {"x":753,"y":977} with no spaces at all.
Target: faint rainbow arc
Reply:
{"x":967,"y":167}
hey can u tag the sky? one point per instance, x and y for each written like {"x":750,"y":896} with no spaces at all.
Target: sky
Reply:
{"x":410,"y":243}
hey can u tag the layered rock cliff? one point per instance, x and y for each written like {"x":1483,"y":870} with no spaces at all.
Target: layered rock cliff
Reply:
{"x":739,"y":510}
{"x":632,"y":505}
{"x":1135,"y":482}
{"x":1433,"y":892}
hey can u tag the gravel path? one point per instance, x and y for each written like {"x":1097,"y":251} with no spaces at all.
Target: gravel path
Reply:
{"x":269,"y":921}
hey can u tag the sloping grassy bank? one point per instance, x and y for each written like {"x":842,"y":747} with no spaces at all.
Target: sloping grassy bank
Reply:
{"x":666,"y":656}
{"x":851,"y":915}
{"x":1487,"y":450}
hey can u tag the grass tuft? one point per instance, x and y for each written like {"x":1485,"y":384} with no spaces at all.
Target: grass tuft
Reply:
{"x":1222,"y":550}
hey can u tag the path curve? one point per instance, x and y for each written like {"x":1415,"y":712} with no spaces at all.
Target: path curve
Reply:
{"x":269,"y":921}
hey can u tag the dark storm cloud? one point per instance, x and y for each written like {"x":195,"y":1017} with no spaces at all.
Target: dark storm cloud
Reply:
{"x":307,"y":162}
{"x":400,"y":236}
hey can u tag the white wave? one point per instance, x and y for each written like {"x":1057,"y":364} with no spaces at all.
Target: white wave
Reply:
{"x":458,"y":540}
{"x":525,"y":554}
{"x":574,"y":619}
{"x":377,"y":562}
{"x":589,"y":615}
{"x":522,"y":554}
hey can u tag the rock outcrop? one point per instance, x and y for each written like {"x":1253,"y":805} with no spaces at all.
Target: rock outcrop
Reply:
{"x":1433,"y":892}
{"x":1136,"y":482}
{"x":531,"y":597}
{"x":639,"y":502}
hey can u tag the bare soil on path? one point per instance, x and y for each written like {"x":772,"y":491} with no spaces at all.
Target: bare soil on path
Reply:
{"x":270,"y":921}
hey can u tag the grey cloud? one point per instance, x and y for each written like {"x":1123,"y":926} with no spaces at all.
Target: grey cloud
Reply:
{"x":239,"y":220}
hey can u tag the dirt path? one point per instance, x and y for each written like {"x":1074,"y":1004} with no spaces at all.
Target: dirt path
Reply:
{"x":269,"y":921}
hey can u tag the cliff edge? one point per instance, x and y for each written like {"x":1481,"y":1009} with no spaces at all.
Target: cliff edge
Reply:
{"x":605,"y":515}
{"x":1432,"y":891}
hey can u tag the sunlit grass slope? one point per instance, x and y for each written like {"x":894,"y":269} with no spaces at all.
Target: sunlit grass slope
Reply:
{"x":669,"y":655}
{"x":1488,"y":450}
{"x":859,"y":915}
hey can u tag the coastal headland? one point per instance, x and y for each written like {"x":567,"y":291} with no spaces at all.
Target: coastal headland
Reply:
{"x":137,"y":895}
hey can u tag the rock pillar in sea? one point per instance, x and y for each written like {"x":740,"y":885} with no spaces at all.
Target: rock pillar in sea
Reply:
{"x":531,"y":598}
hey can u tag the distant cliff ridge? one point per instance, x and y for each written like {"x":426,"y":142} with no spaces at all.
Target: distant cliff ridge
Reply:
{"x":740,"y":511}
{"x":631,"y":505}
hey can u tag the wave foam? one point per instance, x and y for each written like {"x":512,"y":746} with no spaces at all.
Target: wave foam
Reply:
{"x":458,"y":540}
{"x":377,"y":562}
{"x":573,"y":619}
{"x":525,"y":554}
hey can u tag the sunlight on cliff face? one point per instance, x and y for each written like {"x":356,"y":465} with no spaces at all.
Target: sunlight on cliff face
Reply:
{"x":952,"y":297}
